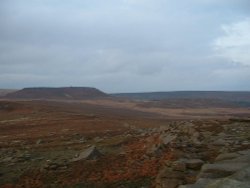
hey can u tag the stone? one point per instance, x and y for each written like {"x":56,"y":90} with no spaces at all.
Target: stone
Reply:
{"x":16,"y":141}
{"x":39,"y":158}
{"x":226,"y":156}
{"x":7,"y":159}
{"x":240,"y":159}
{"x":230,"y":170}
{"x":170,"y":183}
{"x":242,"y":175}
{"x":91,"y":153}
{"x":51,"y":166}
{"x":244,"y":152}
{"x":200,"y":183}
{"x":222,"y":134}
{"x":228,"y":183}
{"x":195,"y":134}
{"x":12,"y":164}
{"x":190,"y":177}
{"x":196,"y":141}
{"x":219,"y":170}
{"x":245,"y":143}
{"x":39,"y":141}
{"x":179,"y":166}
{"x":169,"y":178}
{"x":168,"y":138}
{"x":98,"y":139}
{"x":155,"y":149}
{"x":170,"y":174}
{"x":82,"y":140}
{"x":194,"y":164}
{"x":206,"y":134}
{"x":23,"y":157}
{"x":219,"y":142}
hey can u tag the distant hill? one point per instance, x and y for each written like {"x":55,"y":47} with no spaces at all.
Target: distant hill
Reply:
{"x":192,"y":103}
{"x":178,"y":99}
{"x":4,"y":92}
{"x":70,"y":93}
{"x":223,"y":95}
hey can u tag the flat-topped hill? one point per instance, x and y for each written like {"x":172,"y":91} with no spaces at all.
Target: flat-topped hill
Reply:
{"x":71,"y":93}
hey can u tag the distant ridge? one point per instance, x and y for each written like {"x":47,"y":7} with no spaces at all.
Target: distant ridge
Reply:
{"x":70,"y":93}
{"x":222,"y":95}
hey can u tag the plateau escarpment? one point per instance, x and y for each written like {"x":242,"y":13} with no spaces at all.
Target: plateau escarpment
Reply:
{"x":70,"y":93}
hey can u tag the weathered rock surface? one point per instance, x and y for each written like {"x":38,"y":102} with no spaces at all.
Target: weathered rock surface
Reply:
{"x":241,"y":179}
{"x":168,"y":138}
{"x":169,"y":178}
{"x":196,"y":148}
{"x":185,"y":155}
{"x":92,"y":153}
{"x":226,"y":156}
{"x":194,"y":164}
{"x":230,"y":170}
{"x":202,"y":182}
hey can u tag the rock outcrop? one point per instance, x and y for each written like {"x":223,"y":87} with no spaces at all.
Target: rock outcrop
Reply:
{"x":230,"y":170}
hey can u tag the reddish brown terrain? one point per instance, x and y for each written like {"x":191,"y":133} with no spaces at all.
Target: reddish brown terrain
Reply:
{"x":115,"y":142}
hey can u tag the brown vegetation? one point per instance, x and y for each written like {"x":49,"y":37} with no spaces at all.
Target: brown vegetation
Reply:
{"x":39,"y":139}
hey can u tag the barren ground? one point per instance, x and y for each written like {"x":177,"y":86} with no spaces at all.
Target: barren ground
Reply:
{"x":41,"y":140}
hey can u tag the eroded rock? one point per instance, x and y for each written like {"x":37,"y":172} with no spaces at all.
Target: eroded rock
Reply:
{"x":91,"y":153}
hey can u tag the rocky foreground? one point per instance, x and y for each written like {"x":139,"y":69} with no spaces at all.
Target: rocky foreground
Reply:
{"x":183,"y":154}
{"x":216,"y":156}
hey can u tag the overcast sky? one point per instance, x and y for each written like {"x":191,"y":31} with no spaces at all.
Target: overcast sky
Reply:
{"x":126,"y":45}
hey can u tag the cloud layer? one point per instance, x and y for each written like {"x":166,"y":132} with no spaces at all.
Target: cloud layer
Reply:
{"x":125,"y":45}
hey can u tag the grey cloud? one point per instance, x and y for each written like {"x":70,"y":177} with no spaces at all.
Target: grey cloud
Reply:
{"x":117,"y":45}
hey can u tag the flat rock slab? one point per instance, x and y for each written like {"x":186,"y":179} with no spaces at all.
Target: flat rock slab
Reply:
{"x":194,"y":163}
{"x":219,"y":142}
{"x":240,"y":179}
{"x":242,"y":175}
{"x":202,"y":182}
{"x":227,"y":156}
{"x":244,"y":152}
{"x":228,"y":183}
{"x":219,"y":170}
{"x":241,"y":159}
